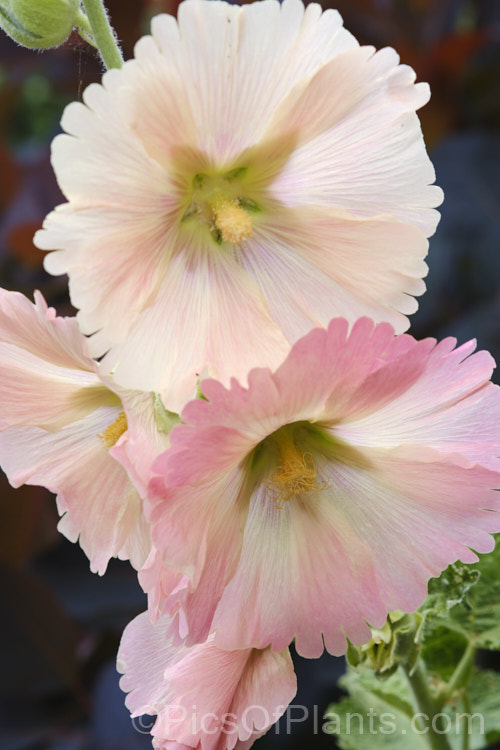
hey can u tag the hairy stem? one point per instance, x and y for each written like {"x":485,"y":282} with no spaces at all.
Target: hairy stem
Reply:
{"x":102,"y":33}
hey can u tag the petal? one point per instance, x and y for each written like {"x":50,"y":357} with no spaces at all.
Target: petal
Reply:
{"x":314,"y":264}
{"x":204,"y":697}
{"x":372,"y":159}
{"x":303,"y":574}
{"x":218,"y":304}
{"x":198,"y":532}
{"x":143,"y":656}
{"x":443,"y":400}
{"x":48,"y":378}
{"x":36,"y":329}
{"x":165,"y":587}
{"x":104,"y":515}
{"x":143,"y":442}
{"x":426,"y":511}
{"x":228,"y":55}
{"x":328,"y":562}
{"x":101,"y":248}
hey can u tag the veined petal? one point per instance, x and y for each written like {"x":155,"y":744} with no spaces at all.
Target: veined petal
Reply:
{"x":313,"y":263}
{"x":46,"y":370}
{"x":204,"y":697}
{"x":36,"y":329}
{"x":178,"y":170}
{"x":371,"y":159}
{"x":393,"y":407}
{"x":303,"y":573}
{"x":228,"y":54}
{"x":101,"y":514}
{"x":101,"y":247}
{"x":60,"y":420}
{"x":206,"y":309}
{"x":326,"y":564}
{"x":204,"y":533}
{"x":329,"y":521}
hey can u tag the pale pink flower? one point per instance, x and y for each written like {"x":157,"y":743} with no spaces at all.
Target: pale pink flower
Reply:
{"x":329,"y":492}
{"x":61,"y":426}
{"x":252,"y":173}
{"x":203,"y":697}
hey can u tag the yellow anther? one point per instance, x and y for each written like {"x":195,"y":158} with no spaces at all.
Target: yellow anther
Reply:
{"x":232,"y":221}
{"x":114,"y":431}
{"x":295,"y":474}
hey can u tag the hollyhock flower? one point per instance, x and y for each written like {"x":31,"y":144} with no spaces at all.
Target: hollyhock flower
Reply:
{"x":203,"y":697}
{"x":327,"y":493}
{"x":252,"y":173}
{"x":61,"y":426}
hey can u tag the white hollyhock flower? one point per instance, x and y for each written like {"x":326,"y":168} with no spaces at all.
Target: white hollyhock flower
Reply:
{"x":252,"y":173}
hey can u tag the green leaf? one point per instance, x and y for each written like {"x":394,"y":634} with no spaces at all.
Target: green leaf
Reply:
{"x":477,"y":617}
{"x":483,"y":691}
{"x":381,"y":714}
{"x":450,"y":589}
{"x":442,"y":649}
{"x":378,"y":714}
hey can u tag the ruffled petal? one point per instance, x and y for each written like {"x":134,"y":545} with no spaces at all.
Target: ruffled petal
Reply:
{"x":199,"y":534}
{"x":36,"y":329}
{"x":382,"y":516}
{"x":327,"y":563}
{"x":104,"y":515}
{"x":313,"y":264}
{"x":445,"y":400}
{"x":203,"y":697}
{"x":370,"y":158}
{"x":100,"y":248}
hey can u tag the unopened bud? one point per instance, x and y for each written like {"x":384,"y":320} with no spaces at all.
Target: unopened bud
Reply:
{"x":39,"y":24}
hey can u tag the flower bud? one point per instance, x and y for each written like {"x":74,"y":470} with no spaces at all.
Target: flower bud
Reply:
{"x":39,"y":24}
{"x":396,"y":643}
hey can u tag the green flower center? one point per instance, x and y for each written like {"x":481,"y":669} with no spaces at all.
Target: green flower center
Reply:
{"x":220,"y":204}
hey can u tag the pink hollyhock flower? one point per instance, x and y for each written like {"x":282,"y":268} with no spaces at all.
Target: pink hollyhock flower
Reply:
{"x":252,"y":173}
{"x":203,"y":697}
{"x":327,"y":493}
{"x":62,"y":426}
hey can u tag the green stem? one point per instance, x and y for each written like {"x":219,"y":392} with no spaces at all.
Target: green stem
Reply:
{"x":461,"y":674}
{"x":427,"y":704}
{"x":84,"y":29}
{"x":102,"y":33}
{"x":467,"y":709}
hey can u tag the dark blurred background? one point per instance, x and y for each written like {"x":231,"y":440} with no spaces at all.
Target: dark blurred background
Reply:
{"x":60,"y":625}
